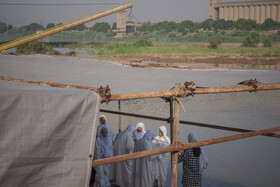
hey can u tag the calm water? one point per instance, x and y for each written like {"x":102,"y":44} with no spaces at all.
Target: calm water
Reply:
{"x":247,"y":162}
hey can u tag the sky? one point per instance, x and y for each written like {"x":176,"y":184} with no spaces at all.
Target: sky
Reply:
{"x":144,"y":10}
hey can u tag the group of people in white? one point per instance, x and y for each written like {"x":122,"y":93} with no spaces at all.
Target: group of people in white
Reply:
{"x":140,"y":172}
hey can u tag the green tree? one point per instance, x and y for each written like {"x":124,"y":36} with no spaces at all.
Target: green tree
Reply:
{"x":168,"y":26}
{"x":207,"y":24}
{"x":50,"y":25}
{"x":267,"y":42}
{"x":252,"y":40}
{"x":32,"y":47}
{"x":10,"y":27}
{"x":243,"y":24}
{"x":114,"y":26}
{"x":229,"y":24}
{"x":219,"y":24}
{"x":172,"y":35}
{"x":214,"y":44}
{"x":185,"y":25}
{"x":101,"y":27}
{"x":81,"y":27}
{"x":34,"y":27}
{"x":270,"y":24}
{"x":146,"y":27}
{"x":3,"y":27}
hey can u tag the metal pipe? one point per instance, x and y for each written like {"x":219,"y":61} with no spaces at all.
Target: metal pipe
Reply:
{"x":119,"y":107}
{"x":186,"y":122}
{"x":135,"y":115}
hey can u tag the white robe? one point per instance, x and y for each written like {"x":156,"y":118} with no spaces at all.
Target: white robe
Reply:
{"x":142,"y":168}
{"x":160,"y":163}
{"x":124,"y":144}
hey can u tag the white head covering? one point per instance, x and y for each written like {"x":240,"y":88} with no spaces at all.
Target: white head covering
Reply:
{"x":149,"y":135}
{"x":141,"y":134}
{"x":164,"y":138}
{"x":130,"y":129}
{"x":106,"y":122}
{"x":106,"y":143}
{"x":203,"y":161}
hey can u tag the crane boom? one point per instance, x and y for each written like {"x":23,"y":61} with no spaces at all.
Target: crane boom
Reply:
{"x":63,"y":27}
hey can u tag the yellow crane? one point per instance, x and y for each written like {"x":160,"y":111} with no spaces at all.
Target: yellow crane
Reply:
{"x":63,"y":27}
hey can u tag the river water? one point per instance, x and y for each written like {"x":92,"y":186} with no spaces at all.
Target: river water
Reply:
{"x":246,"y":162}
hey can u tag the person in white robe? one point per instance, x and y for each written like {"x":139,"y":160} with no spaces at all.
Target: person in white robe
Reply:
{"x":142,"y":168}
{"x":103,"y":149}
{"x":102,"y":123}
{"x":140,"y":131}
{"x":124,"y":144}
{"x":160,"y":163}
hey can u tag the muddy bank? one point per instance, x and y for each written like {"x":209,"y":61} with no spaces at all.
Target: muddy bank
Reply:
{"x":268,"y":60}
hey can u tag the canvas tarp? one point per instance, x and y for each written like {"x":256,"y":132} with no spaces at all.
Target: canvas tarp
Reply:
{"x":47,"y":135}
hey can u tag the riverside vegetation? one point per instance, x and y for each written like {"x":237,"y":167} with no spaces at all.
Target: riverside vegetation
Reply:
{"x":165,"y":39}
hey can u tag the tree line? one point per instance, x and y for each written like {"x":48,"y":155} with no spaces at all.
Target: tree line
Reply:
{"x":188,"y":26}
{"x":183,"y":27}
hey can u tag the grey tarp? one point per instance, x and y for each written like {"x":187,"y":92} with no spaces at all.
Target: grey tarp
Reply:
{"x":46,"y":135}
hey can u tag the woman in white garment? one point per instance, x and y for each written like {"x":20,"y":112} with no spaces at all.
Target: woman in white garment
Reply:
{"x":140,"y":131}
{"x":102,"y":123}
{"x":124,"y":144}
{"x":160,"y":163}
{"x":142,"y":168}
{"x":194,"y":162}
{"x":103,"y":149}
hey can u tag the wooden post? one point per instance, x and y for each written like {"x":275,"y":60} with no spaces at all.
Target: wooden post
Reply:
{"x":175,"y":132}
{"x":120,"y":128}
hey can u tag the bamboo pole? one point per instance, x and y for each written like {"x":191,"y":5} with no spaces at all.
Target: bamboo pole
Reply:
{"x":175,"y":93}
{"x":187,"y":122}
{"x":52,"y":84}
{"x":180,"y":147}
{"x":175,"y":138}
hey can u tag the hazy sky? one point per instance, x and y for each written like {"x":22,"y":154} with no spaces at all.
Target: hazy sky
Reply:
{"x":143,"y":10}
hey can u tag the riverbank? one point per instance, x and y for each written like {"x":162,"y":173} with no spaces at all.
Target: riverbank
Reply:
{"x":228,"y":53}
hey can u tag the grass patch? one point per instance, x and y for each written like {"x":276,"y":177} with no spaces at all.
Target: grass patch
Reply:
{"x":130,"y":49}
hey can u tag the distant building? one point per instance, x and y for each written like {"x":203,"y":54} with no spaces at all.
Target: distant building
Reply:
{"x":258,"y":10}
{"x":123,"y":27}
{"x":121,"y":24}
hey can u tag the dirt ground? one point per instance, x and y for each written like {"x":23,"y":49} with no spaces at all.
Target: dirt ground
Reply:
{"x":269,"y":60}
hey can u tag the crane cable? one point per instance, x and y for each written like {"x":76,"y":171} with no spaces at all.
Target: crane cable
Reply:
{"x":51,"y":4}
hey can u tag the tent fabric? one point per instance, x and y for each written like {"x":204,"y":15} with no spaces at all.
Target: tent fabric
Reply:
{"x":47,"y":135}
